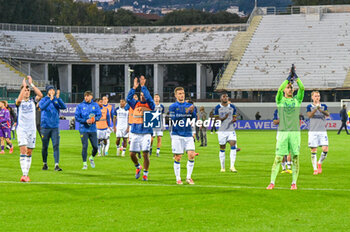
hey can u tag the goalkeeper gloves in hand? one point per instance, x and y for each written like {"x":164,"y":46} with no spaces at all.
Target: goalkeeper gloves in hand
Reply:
{"x":292,"y":78}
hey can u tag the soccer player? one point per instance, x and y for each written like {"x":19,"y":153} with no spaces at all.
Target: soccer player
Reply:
{"x":5,"y":127}
{"x":87,"y":113}
{"x":195,"y":134}
{"x":203,"y":129}
{"x":141,"y":138}
{"x":289,"y":128}
{"x":121,"y":128}
{"x":181,"y":136}
{"x":344,"y":119}
{"x":26,"y":128}
{"x":211,"y":115}
{"x":131,"y":114}
{"x":158,"y":132}
{"x":13,"y":118}
{"x":50,"y":107}
{"x":110,"y":109}
{"x":286,"y":162}
{"x":103,"y":128}
{"x":226,"y":113}
{"x":317,"y":114}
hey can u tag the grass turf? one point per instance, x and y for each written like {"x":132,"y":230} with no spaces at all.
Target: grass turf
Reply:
{"x":108,"y":198}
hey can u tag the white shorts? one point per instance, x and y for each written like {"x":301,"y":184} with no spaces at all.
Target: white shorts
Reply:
{"x":103,"y":134}
{"x":121,"y":133}
{"x":317,"y":139}
{"x":226,"y":136}
{"x":130,"y":136}
{"x":157,"y":133}
{"x":182,"y":144}
{"x":26,"y":138}
{"x":140,"y":142}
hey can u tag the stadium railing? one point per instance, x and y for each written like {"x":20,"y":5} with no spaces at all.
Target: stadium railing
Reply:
{"x":123,"y":30}
{"x":23,"y":69}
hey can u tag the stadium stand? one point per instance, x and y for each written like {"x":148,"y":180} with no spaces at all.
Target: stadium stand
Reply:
{"x":319,"y":49}
{"x":36,"y":46}
{"x":75,"y":45}
{"x":12,"y":74}
{"x":156,"y":47}
{"x":84,"y":47}
{"x":237,"y":50}
{"x":9,"y":77}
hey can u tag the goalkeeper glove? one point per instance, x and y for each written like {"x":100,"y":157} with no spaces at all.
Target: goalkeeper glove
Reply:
{"x":295,"y":77}
{"x":290,"y":77}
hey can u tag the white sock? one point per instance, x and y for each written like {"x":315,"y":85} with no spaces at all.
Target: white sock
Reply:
{"x":233,"y":156}
{"x":23,"y":163}
{"x":284,"y":165}
{"x":158,"y":151}
{"x":289,"y":165}
{"x":29,"y":163}
{"x":123,"y":153}
{"x":107,"y":146}
{"x":222,"y":158}
{"x":190,"y":165}
{"x":177,"y":170}
{"x":99,"y":148}
{"x":314,"y":160}
{"x":322,"y":157}
{"x":118,"y":151}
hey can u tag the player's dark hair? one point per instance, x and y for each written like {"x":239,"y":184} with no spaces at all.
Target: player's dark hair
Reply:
{"x":105,"y":96}
{"x":223,"y":93}
{"x":156,"y":94}
{"x":27,"y":87}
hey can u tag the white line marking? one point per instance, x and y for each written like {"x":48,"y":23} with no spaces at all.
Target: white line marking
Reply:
{"x":168,"y":185}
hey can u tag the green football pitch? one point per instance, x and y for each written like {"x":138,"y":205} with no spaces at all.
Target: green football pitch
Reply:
{"x":108,"y":198}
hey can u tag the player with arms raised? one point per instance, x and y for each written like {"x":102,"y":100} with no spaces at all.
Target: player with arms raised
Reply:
{"x":289,"y":129}
{"x":26,"y":127}
{"x":226,"y":113}
{"x":181,"y":135}
{"x":141,"y":136}
{"x":317,"y":113}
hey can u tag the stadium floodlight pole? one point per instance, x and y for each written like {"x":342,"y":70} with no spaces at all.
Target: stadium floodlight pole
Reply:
{"x":256,"y":4}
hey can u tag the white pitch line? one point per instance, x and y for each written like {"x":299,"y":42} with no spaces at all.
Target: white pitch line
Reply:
{"x":167,"y":185}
